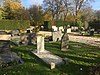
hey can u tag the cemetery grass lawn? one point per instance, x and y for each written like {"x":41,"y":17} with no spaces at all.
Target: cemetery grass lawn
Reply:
{"x":80,"y":56}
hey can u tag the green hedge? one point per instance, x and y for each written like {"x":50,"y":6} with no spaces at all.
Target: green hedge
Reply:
{"x":63,"y":23}
{"x":14,"y":24}
{"x":95,"y":24}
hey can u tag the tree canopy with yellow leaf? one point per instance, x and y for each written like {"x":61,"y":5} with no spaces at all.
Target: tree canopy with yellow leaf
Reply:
{"x":10,"y":8}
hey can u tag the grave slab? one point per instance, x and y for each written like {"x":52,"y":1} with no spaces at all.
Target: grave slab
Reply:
{"x":49,"y":58}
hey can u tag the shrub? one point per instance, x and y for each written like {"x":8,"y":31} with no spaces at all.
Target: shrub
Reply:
{"x":63,"y":23}
{"x":14,"y":24}
{"x":95,"y":24}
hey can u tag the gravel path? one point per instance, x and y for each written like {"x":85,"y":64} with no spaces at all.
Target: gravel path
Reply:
{"x":87,"y":40}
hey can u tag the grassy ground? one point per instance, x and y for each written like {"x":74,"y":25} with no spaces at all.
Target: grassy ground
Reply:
{"x":80,"y":56}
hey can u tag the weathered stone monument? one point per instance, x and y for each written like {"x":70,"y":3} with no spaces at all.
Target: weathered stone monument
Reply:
{"x":65,"y":40}
{"x":29,"y":38}
{"x":56,"y":36}
{"x":23,"y":39}
{"x":15,"y":32}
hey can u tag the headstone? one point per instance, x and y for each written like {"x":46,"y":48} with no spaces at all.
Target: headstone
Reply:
{"x":23,"y":39}
{"x":40,"y":43}
{"x":73,"y":28}
{"x":69,"y":30}
{"x":15,"y":32}
{"x":54,"y":28}
{"x":64,"y":41}
{"x":56,"y":36}
{"x":28,"y":39}
{"x":61,"y":29}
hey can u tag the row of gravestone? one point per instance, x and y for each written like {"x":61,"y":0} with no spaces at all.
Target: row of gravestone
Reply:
{"x":30,"y":38}
{"x":56,"y":36}
{"x":40,"y":43}
{"x":5,"y":42}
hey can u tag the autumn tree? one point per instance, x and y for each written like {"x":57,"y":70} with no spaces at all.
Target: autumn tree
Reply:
{"x":36,"y":16}
{"x":97,"y":14}
{"x":22,"y":14}
{"x":10,"y":9}
{"x":54,"y":7}
{"x":86,"y":15}
{"x":0,"y":12}
{"x":66,"y":9}
{"x":77,"y":5}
